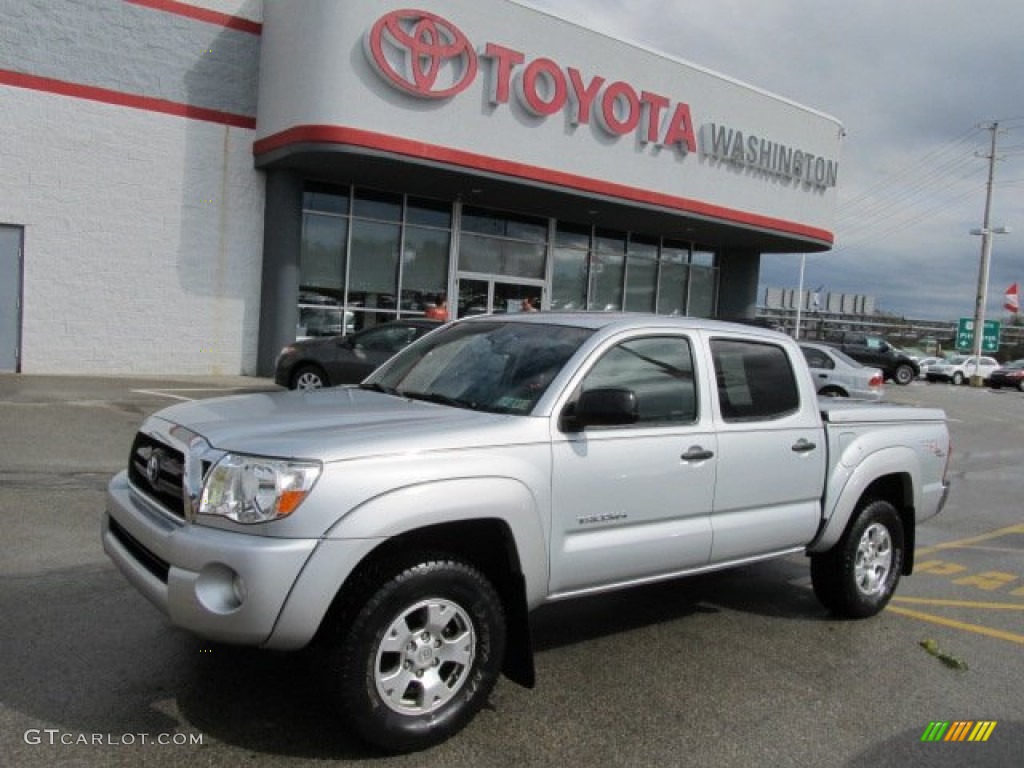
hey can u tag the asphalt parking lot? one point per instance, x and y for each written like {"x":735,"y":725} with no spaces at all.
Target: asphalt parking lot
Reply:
{"x":740,"y":668}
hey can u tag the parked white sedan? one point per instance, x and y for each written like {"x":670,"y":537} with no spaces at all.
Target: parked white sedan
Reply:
{"x":836,"y":374}
{"x":961,"y":368}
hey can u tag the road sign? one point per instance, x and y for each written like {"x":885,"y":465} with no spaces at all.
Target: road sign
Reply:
{"x":989,"y":335}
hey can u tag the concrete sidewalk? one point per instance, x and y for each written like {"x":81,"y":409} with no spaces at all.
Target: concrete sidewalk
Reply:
{"x":21,"y":387}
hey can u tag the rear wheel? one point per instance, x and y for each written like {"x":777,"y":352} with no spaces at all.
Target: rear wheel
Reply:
{"x":309,"y":377}
{"x":858,"y":576}
{"x":903,"y":375}
{"x":831,"y":392}
{"x":419,"y":652}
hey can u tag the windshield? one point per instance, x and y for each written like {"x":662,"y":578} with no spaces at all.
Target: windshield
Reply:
{"x":957,"y":360}
{"x":497,"y":367}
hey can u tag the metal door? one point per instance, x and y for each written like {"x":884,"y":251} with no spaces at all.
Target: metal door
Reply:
{"x":10,"y":298}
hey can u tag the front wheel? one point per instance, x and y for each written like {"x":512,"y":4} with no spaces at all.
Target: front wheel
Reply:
{"x":903,"y":375}
{"x":958,"y":379}
{"x":858,"y":576}
{"x":421,"y":654}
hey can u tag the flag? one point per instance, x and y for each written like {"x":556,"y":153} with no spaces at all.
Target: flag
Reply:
{"x":1011,"y":301}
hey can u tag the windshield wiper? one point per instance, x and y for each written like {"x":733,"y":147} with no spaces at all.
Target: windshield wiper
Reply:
{"x":437,"y":397}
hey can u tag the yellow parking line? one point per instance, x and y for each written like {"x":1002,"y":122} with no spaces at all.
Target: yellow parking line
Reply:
{"x":987,"y":631}
{"x":1019,"y":528}
{"x":961,"y":603}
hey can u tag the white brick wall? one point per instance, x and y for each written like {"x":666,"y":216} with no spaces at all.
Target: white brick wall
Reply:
{"x":143,"y":235}
{"x":245,"y":9}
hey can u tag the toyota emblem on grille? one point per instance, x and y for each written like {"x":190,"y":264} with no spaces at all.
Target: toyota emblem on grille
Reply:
{"x":153,"y":468}
{"x":422,"y":54}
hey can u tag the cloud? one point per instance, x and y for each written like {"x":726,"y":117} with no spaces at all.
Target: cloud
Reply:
{"x":912,"y":82}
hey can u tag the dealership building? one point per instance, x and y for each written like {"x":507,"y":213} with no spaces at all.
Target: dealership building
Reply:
{"x":189,"y":186}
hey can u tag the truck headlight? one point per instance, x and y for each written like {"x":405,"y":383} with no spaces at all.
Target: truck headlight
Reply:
{"x":250,"y":489}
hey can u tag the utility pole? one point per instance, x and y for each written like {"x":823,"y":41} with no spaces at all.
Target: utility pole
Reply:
{"x":986,"y":255}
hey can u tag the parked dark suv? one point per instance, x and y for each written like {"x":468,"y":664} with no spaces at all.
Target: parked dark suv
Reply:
{"x":878,"y":353}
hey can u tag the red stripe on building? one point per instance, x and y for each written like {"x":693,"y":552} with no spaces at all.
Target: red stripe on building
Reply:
{"x":202,"y":14}
{"x":121,"y":99}
{"x":332,"y":134}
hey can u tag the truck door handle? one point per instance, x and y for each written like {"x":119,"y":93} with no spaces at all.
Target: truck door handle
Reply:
{"x":697,"y":453}
{"x":803,"y":446}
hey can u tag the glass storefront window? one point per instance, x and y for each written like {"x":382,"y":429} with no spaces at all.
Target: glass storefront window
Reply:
{"x":569,"y":281}
{"x":318,"y":197}
{"x":394,"y":251}
{"x":424,"y":268}
{"x":641,"y":274}
{"x":672,"y":289}
{"x":607,"y":270}
{"x":373,"y":272}
{"x":569,"y":278}
{"x":383,"y":206}
{"x":673,"y":277}
{"x":499,"y":256}
{"x":572,"y":236}
{"x":428,"y":213}
{"x":365,"y":246}
{"x":703,"y":258}
{"x":322,"y":258}
{"x":499,"y":224}
{"x":702,"y":292}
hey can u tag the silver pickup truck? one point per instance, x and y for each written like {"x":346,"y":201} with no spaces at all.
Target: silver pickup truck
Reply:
{"x":411,"y":523}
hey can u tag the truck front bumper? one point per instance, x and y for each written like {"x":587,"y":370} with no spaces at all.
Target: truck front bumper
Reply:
{"x":225,"y":586}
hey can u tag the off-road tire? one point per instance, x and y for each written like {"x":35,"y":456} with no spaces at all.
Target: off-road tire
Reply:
{"x":418,"y":651}
{"x":858,"y":576}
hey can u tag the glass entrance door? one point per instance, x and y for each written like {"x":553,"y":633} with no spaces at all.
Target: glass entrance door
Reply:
{"x":487,"y":295}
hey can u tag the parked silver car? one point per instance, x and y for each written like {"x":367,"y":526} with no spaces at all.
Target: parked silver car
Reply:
{"x":836,"y":374}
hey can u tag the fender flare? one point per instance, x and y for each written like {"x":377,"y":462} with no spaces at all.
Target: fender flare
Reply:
{"x":404,"y":510}
{"x":899,"y":461}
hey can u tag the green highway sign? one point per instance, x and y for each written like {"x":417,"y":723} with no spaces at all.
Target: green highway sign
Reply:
{"x":989,"y":335}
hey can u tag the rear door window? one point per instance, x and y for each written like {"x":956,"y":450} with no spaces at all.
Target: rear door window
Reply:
{"x":755,"y":380}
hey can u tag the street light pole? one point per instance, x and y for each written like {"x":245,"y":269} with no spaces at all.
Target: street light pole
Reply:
{"x":986,"y":254}
{"x":800,"y":297}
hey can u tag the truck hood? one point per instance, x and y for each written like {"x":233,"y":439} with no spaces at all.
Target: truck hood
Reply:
{"x":344,"y":423}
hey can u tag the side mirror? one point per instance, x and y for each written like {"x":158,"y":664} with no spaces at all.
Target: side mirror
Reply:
{"x":346,"y":341}
{"x":603,"y":407}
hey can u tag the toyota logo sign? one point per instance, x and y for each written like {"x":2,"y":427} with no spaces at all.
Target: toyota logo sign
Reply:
{"x":422,"y":54}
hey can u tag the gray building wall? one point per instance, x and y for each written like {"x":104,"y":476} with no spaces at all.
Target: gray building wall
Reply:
{"x":737,"y":284}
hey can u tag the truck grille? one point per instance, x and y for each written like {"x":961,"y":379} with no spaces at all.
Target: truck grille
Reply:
{"x":158,"y":470}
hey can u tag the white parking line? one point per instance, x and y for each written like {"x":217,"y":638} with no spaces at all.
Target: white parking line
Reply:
{"x":167,"y":393}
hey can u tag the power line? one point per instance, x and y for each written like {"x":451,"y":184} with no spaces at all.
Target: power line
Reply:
{"x":912,"y":167}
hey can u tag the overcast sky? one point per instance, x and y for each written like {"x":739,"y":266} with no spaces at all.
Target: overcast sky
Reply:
{"x":915,"y":83}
